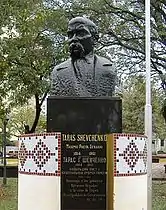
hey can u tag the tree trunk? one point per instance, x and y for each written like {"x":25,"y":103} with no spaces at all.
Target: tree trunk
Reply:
{"x":37,"y":114}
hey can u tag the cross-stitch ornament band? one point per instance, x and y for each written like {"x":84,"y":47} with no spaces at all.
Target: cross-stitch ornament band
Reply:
{"x":39,"y":171}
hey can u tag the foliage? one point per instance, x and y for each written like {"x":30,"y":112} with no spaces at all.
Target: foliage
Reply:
{"x":20,"y":117}
{"x":24,"y":115}
{"x":122,"y":24}
{"x":31,"y":44}
{"x":8,"y":142}
{"x":133,"y":96}
{"x":122,"y":32}
{"x":33,"y":40}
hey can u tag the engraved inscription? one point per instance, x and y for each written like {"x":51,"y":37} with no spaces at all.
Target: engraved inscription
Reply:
{"x":84,"y":171}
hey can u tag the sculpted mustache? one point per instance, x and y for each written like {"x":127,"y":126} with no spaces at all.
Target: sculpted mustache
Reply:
{"x":76,"y":45}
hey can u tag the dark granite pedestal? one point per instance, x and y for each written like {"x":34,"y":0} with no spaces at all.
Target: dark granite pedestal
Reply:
{"x":84,"y":115}
{"x":84,"y":123}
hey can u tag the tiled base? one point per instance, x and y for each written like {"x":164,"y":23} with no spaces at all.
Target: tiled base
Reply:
{"x":130,"y":155}
{"x":40,"y":154}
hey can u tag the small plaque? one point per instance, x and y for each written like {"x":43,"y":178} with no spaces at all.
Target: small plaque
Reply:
{"x":83,"y":178}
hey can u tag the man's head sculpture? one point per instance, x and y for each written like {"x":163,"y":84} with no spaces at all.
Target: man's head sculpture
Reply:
{"x":84,"y":74}
{"x":82,"y":35}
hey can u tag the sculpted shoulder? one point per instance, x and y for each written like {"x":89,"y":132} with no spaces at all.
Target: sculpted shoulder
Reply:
{"x":62,"y":66}
{"x":104,"y":61}
{"x":106,"y":65}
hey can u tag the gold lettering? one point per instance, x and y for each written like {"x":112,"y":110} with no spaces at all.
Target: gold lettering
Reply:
{"x":83,"y":146}
{"x":68,"y":146}
{"x":69,"y":159}
{"x":96,"y":146}
{"x":80,"y":137}
{"x":84,"y":137}
{"x":68,"y":137}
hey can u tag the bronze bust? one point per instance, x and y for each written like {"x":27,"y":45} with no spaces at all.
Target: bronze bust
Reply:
{"x":84,"y":74}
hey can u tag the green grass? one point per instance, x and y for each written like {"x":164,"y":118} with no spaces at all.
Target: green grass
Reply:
{"x":8,"y":195}
{"x":159,"y":195}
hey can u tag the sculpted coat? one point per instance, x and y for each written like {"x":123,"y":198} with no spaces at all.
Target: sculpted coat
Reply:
{"x":93,"y":76}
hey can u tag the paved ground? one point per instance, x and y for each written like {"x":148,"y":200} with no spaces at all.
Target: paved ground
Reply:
{"x":158,"y":170}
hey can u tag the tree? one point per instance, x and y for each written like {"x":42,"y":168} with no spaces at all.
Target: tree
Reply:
{"x":133,"y":97}
{"x":122,"y":32}
{"x":8,"y":142}
{"x":23,"y":116}
{"x":33,"y":40}
{"x":122,"y":23}
{"x":31,"y":44}
{"x":20,"y":117}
